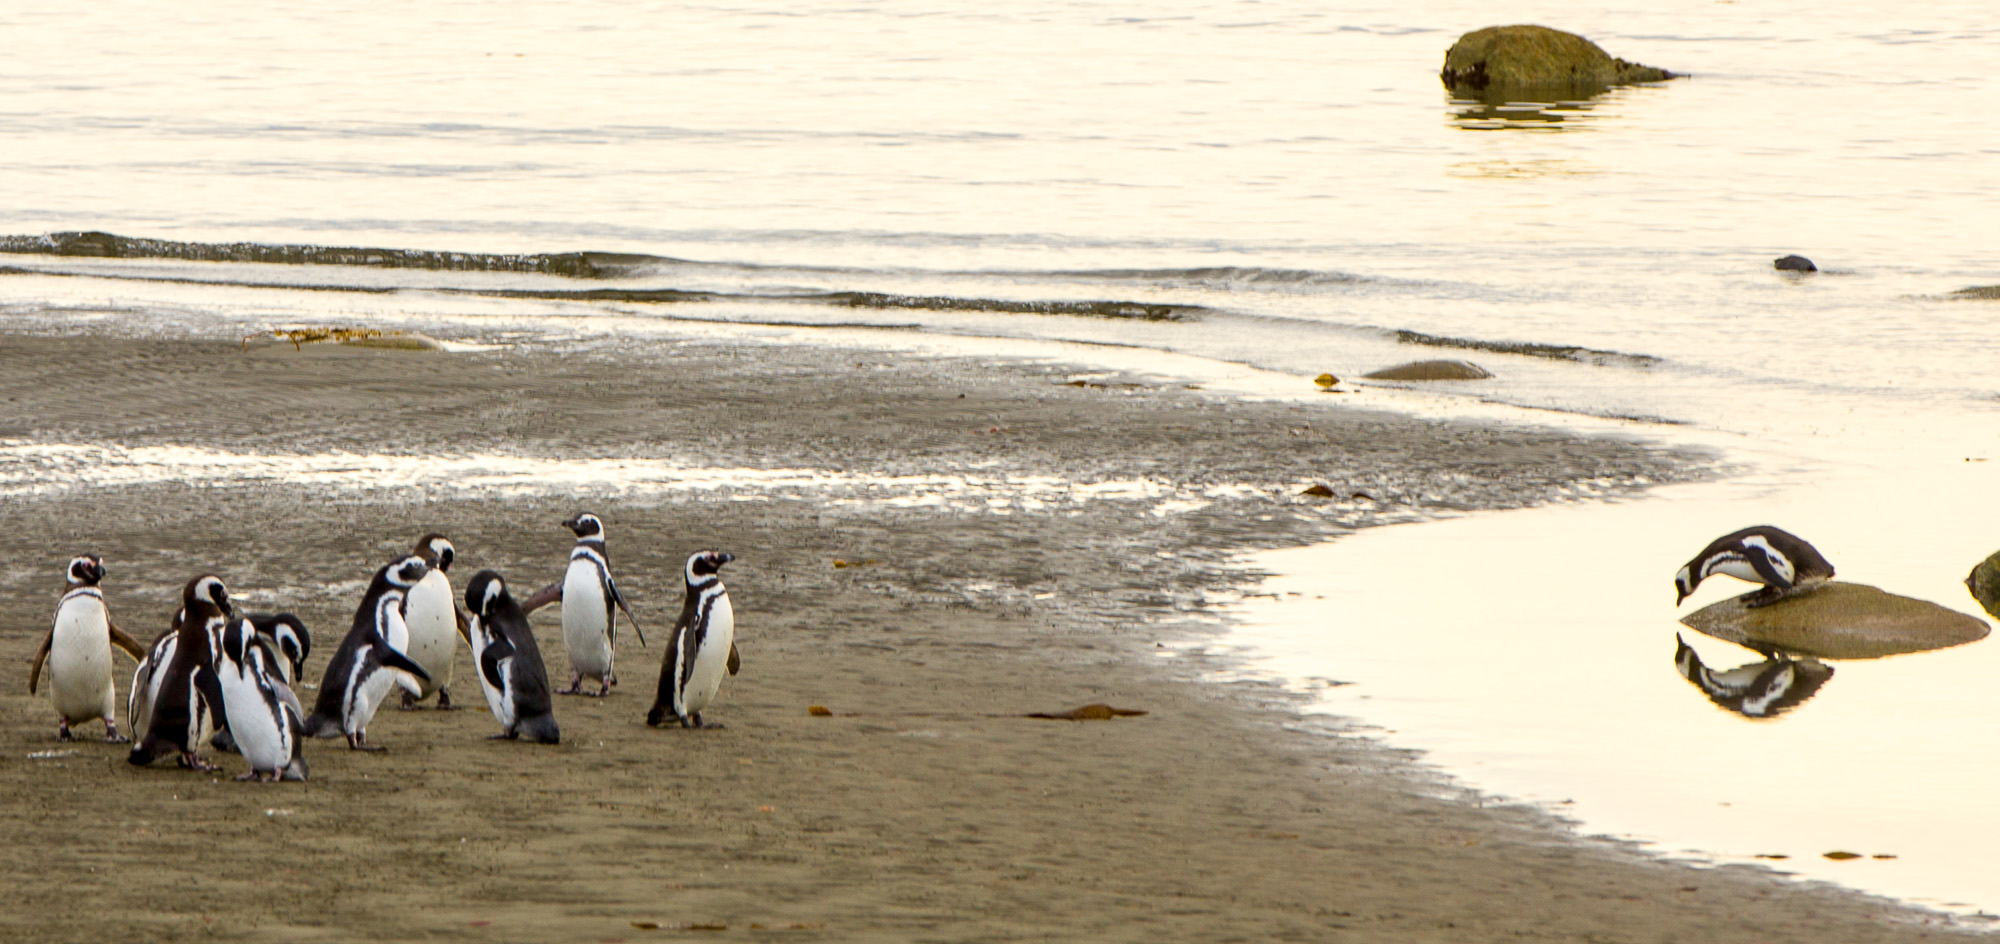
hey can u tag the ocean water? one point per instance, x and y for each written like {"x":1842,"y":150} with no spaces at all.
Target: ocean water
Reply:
{"x":1260,"y":190}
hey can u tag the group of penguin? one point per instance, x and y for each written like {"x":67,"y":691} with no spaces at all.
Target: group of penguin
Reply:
{"x":220,"y":678}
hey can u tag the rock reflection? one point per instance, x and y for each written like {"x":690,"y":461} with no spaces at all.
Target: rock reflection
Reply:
{"x":1498,"y":109}
{"x":1760,"y":690}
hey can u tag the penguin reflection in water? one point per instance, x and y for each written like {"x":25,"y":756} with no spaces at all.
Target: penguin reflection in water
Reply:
{"x":702,"y":647}
{"x":371,"y":660}
{"x":1784,"y":563}
{"x":588,"y":594}
{"x":510,"y":664}
{"x":1759,"y":690}
{"x":77,"y":651}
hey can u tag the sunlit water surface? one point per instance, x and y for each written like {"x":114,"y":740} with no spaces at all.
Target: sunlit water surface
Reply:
{"x":1291,"y":174}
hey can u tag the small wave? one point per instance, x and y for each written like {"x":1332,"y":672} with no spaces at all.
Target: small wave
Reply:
{"x":1143,"y":311}
{"x":1209,"y":276}
{"x":1566,"y":352}
{"x":581,"y":265}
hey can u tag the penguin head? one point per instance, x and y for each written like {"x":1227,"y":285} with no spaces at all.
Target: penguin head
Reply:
{"x":438,"y":548}
{"x":406,"y":572}
{"x":86,"y":569}
{"x":292,"y":638}
{"x":208,"y":589}
{"x":1684,"y":584}
{"x":706,"y":563}
{"x":486,"y":589}
{"x":585,"y":525}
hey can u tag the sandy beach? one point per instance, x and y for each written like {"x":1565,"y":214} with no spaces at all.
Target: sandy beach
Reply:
{"x":925,"y":808}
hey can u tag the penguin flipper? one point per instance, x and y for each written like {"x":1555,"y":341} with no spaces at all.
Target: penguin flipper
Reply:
{"x":41,"y":656}
{"x":735,"y":661}
{"x":542,"y":597}
{"x":396,"y":660}
{"x":464,"y":623}
{"x":124,"y":640}
{"x":209,"y":685}
{"x":611,"y":590}
{"x":490,"y":658}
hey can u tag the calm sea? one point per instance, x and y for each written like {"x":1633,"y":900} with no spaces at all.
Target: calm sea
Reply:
{"x":1280,"y":184}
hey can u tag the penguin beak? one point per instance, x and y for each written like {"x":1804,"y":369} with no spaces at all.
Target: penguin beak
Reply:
{"x":724,"y":558}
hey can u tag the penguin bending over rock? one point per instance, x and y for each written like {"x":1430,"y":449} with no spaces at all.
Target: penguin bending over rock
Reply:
{"x":371,"y":660}
{"x":78,"y":653}
{"x":184,"y":701}
{"x":587,"y":593}
{"x":266,"y":723}
{"x":510,"y":664}
{"x":703,"y":645}
{"x":1783,"y":562}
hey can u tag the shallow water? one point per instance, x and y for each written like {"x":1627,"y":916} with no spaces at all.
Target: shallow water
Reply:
{"x":1290,"y":184}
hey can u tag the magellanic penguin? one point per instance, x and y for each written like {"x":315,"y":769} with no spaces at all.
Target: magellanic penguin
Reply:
{"x":587,"y":593}
{"x":432,"y":615}
{"x":186,"y":698}
{"x":1760,"y":690}
{"x":78,"y":653}
{"x":510,"y":664}
{"x":702,"y":648}
{"x":370,"y":661}
{"x":1779,"y":560}
{"x":286,"y":635}
{"x":265,"y":720}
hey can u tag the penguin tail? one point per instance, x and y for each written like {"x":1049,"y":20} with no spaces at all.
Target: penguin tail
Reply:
{"x":319,"y":726}
{"x":540,"y":727}
{"x":142,"y":751}
{"x":296,"y":770}
{"x":657,"y":715}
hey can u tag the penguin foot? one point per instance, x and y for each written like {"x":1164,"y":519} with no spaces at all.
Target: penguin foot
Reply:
{"x":694,"y":722}
{"x":359,"y":742}
{"x":259,"y":776}
{"x":575,"y":685}
{"x":1762,"y":598}
{"x":193,"y":761}
{"x":444,"y":700}
{"x":62,"y":732}
{"x":504,"y":736}
{"x":602,"y":691}
{"x":409,"y":702}
{"x":111,"y":735}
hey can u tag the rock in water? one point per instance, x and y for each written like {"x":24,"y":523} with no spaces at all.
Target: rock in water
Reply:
{"x":1984,"y":582}
{"x":1794,"y":264}
{"x":1431,"y":370}
{"x":1531,"y":58}
{"x":1839,"y":621}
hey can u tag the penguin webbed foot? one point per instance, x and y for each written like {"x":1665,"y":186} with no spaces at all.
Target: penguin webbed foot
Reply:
{"x":575,"y":685}
{"x":111,"y":735}
{"x":409,"y":702}
{"x":63,"y":732}
{"x":193,"y":761}
{"x":444,"y":700}
{"x":359,"y":742}
{"x":258,"y":776}
{"x":1757,"y":599}
{"x":694,"y":722}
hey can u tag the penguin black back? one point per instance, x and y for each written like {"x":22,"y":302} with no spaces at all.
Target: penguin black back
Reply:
{"x":1778,"y":559}
{"x":526,"y":682}
{"x":190,"y":691}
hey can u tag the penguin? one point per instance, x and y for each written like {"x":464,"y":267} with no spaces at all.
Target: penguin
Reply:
{"x":78,"y":653}
{"x":1759,"y":690}
{"x":186,"y":702}
{"x":510,"y":664}
{"x":265,"y":720}
{"x":286,"y":635}
{"x":432,"y":616}
{"x":587,"y":593}
{"x":702,"y":647}
{"x":371,"y":660}
{"x":1785,"y":564}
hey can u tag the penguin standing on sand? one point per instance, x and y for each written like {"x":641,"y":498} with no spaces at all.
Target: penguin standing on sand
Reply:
{"x":186,"y":703}
{"x":587,"y":593}
{"x":702,"y":648}
{"x":265,"y":721}
{"x":370,"y":661}
{"x":1784,"y":563}
{"x":510,"y":664}
{"x":78,"y":653}
{"x":286,"y":636}
{"x":432,"y":616}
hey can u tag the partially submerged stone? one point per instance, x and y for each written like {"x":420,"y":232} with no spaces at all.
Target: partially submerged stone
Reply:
{"x":1431,"y":370}
{"x":1535,"y":61}
{"x":1984,"y":582}
{"x":1839,"y":621}
{"x":1794,"y":263}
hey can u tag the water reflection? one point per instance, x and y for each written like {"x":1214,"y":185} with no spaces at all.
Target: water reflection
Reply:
{"x":1496,"y":109}
{"x":1760,"y":690}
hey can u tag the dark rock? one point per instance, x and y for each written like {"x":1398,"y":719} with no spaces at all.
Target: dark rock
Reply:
{"x":1795,"y":264}
{"x":1839,"y":621}
{"x":1431,"y":370}
{"x":1537,"y":58}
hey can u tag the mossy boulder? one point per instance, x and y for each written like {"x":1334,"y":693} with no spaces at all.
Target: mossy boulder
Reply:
{"x":1537,"y":59}
{"x":1431,"y":370}
{"x":1839,"y":621}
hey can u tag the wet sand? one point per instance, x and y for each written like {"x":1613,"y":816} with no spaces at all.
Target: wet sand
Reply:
{"x":924,"y":808}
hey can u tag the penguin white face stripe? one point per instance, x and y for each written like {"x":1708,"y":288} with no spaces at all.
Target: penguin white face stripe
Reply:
{"x":494,"y":588}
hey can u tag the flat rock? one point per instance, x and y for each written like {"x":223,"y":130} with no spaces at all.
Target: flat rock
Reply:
{"x":1794,"y":263}
{"x":1839,"y":621}
{"x":1431,"y":370}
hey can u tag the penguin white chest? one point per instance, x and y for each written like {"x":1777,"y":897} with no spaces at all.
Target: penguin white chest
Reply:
{"x":1739,"y":568}
{"x":257,"y":719}
{"x":586,"y":617}
{"x":711,"y":658}
{"x":433,"y":629}
{"x":80,"y":660}
{"x":497,"y":699}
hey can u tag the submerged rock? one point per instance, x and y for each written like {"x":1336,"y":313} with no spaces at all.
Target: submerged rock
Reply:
{"x":1431,"y":370}
{"x":1537,"y":58}
{"x":1839,"y":621}
{"x":1794,"y":264}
